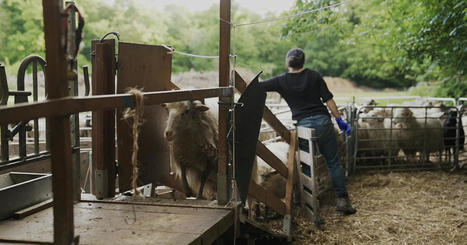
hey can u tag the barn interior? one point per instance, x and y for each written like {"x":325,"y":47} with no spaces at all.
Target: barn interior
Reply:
{"x":65,"y":182}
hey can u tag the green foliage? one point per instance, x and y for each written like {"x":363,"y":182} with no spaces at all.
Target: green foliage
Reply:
{"x":21,"y":30}
{"x":376,"y":43}
{"x":387,"y":43}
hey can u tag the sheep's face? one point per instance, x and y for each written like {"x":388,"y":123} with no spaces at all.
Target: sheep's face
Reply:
{"x":180,"y":115}
{"x":402,"y":115}
{"x":373,"y":116}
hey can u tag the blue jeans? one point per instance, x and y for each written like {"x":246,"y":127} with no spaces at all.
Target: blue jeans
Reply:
{"x":327,"y":144}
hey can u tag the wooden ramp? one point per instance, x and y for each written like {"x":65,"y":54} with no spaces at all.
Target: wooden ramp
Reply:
{"x":127,"y":223}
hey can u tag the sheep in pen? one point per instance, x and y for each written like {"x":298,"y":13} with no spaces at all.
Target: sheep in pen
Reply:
{"x":192,"y":135}
{"x":405,"y":136}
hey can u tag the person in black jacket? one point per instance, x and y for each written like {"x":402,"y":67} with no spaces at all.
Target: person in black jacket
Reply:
{"x":305,"y":92}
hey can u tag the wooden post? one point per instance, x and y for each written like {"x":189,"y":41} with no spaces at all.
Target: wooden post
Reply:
{"x":103,"y":122}
{"x":62,"y":180}
{"x":224,"y":72}
{"x":290,"y":184}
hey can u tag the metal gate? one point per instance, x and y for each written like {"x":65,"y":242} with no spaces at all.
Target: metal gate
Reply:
{"x":406,"y":137}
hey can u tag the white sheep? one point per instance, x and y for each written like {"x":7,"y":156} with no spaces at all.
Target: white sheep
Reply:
{"x":418,"y":133}
{"x":192,"y":134}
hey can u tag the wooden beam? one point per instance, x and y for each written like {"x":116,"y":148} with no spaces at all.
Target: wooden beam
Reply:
{"x":267,"y":197}
{"x":271,"y":159}
{"x":103,"y":122}
{"x":224,"y":71}
{"x":57,"y":87}
{"x":20,"y":214}
{"x":70,"y":105}
{"x":268,"y":116}
{"x":291,"y":177}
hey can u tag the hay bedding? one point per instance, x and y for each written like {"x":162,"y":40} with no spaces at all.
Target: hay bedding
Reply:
{"x":395,"y":208}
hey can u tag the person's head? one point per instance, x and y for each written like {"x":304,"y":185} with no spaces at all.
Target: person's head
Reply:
{"x":295,"y":58}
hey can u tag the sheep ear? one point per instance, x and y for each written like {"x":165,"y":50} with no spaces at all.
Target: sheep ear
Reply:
{"x":201,"y":107}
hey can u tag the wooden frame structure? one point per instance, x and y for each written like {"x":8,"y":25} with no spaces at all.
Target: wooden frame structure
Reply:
{"x":59,"y":106}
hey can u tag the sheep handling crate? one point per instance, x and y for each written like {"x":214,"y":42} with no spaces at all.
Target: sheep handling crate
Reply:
{"x":313,"y":173}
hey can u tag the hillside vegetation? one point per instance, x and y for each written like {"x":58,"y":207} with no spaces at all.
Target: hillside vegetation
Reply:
{"x":376,"y":43}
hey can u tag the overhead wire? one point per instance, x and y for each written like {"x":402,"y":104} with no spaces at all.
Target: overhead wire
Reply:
{"x":233,"y":25}
{"x":291,"y":16}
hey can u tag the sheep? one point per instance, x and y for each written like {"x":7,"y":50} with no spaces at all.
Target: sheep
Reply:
{"x":450,"y":126}
{"x":192,"y":134}
{"x":265,"y":176}
{"x":367,"y":105}
{"x":414,"y":135}
{"x":375,"y":133}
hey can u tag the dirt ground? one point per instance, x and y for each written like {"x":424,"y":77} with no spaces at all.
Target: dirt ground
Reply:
{"x":393,"y":208}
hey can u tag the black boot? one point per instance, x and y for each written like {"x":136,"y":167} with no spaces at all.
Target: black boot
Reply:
{"x":345,"y":206}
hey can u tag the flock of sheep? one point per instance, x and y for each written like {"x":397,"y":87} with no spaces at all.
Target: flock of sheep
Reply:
{"x":381,"y":132}
{"x":411,"y":129}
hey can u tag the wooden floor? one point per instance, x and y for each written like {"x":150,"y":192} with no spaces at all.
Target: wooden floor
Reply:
{"x":124,"y":223}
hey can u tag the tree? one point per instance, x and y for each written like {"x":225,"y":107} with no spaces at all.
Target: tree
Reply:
{"x":22,"y":34}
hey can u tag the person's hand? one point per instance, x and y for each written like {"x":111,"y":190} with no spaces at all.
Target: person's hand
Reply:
{"x":345,"y":127}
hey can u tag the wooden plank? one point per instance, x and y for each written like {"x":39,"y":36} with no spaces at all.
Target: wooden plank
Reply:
{"x":103,"y":122}
{"x":70,"y":105}
{"x":33,"y":209}
{"x":267,"y":197}
{"x":224,"y":75}
{"x":291,"y":176}
{"x":307,"y":181}
{"x":147,"y":67}
{"x":306,"y":157}
{"x":56,"y":71}
{"x":268,"y":116}
{"x":308,"y":198}
{"x":106,"y":223}
{"x":271,"y":159}
{"x":172,"y":86}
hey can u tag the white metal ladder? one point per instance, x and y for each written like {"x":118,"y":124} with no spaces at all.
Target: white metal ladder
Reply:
{"x":313,"y":172}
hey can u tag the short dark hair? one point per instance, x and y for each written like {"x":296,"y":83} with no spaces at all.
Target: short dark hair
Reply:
{"x":295,"y":58}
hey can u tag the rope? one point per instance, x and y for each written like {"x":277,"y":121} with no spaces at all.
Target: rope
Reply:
{"x":172,"y":50}
{"x":292,"y":16}
{"x":137,"y":114}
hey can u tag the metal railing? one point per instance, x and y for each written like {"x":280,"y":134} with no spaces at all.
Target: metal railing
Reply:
{"x":19,"y":130}
{"x":406,"y":137}
{"x":387,"y":144}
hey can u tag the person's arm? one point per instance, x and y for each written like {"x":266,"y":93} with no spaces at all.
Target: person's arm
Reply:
{"x":344,"y":126}
{"x":333,"y":108}
{"x":271,"y":84}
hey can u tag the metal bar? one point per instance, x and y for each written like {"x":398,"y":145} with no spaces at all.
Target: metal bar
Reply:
{"x":4,"y":143}
{"x":70,"y":105}
{"x":60,"y":142}
{"x":35,"y":98}
{"x":457,"y":140}
{"x":86,"y":80}
{"x":12,"y":163}
{"x":73,"y":90}
{"x":4,"y":128}
{"x":224,"y":79}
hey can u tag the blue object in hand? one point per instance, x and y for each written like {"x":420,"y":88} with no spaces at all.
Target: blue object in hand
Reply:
{"x":345,"y":127}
